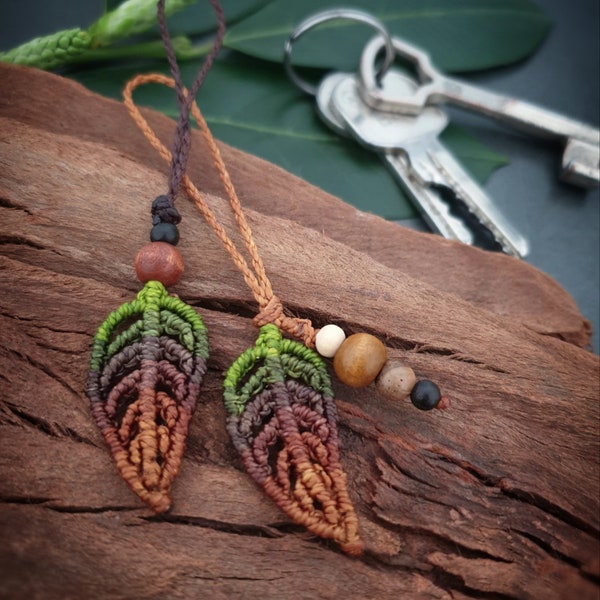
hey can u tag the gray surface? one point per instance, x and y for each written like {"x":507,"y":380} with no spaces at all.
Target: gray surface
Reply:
{"x":561,"y":222}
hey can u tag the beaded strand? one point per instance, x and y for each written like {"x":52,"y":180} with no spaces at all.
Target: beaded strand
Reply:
{"x":149,"y":356}
{"x":160,"y":260}
{"x":361,"y":359}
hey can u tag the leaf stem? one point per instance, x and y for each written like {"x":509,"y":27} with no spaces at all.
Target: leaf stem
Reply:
{"x":184,"y":50}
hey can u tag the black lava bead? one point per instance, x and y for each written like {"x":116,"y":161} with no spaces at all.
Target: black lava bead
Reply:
{"x":165,"y":232}
{"x":425,"y":395}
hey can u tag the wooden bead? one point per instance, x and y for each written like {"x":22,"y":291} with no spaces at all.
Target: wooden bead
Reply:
{"x":159,"y":261}
{"x":396,"y":380}
{"x":425,"y":395}
{"x":359,"y":359}
{"x":329,"y":339}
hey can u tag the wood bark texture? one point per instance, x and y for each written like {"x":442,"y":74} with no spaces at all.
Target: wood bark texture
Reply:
{"x":497,"y":497}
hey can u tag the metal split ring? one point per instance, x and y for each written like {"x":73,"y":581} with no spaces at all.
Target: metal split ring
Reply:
{"x":330,"y":15}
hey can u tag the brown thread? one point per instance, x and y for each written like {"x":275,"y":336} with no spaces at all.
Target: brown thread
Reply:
{"x":270,"y":307}
{"x":286,"y":433}
{"x":317,"y":496}
{"x":148,"y":441}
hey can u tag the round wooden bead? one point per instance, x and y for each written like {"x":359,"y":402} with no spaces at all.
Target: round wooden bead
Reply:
{"x":359,"y":359}
{"x":396,"y":380}
{"x":425,"y":395}
{"x":329,"y":339}
{"x":159,"y":261}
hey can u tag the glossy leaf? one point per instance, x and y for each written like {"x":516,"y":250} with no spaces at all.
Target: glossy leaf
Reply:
{"x":200,"y":17}
{"x":112,"y":4}
{"x":460,"y":35}
{"x":272,"y":120}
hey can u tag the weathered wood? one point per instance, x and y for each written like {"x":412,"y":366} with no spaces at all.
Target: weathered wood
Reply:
{"x":496,"y":498}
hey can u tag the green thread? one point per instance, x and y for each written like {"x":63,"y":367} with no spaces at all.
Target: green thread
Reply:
{"x":272,"y":359}
{"x":157,"y":314}
{"x":123,"y":339}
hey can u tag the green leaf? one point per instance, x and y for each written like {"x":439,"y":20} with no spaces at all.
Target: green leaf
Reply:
{"x":200,"y":17}
{"x":460,"y":35}
{"x":112,"y":4}
{"x":271,"y":120}
{"x":129,"y":18}
{"x":50,"y":51}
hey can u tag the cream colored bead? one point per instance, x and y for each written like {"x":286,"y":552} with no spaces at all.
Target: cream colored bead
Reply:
{"x":396,"y":380}
{"x":329,"y":339}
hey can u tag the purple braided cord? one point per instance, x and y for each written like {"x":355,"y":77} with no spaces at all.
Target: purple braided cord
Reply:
{"x":182,"y":137}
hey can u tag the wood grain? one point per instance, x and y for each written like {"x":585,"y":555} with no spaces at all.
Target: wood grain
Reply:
{"x":496,"y":498}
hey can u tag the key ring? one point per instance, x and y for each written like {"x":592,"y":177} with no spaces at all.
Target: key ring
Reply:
{"x":330,"y":15}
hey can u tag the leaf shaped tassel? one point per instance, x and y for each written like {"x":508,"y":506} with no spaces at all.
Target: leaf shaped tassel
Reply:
{"x":147,"y":365}
{"x":283,"y":422}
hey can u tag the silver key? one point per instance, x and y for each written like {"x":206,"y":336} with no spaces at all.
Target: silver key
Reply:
{"x":410,"y":147}
{"x":433,"y":209}
{"x":581,"y":156}
{"x":323,"y":97}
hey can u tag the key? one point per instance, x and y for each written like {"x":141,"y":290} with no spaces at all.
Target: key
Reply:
{"x":411,"y":148}
{"x":581,"y":156}
{"x":429,"y":161}
{"x":323,"y":97}
{"x":435,"y":212}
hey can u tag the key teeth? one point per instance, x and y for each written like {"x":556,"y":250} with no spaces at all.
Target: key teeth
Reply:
{"x":517,"y":253}
{"x":519,"y":248}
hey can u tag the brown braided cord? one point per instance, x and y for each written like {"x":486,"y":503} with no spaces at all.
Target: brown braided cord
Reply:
{"x":270,"y":307}
{"x":165,"y":209}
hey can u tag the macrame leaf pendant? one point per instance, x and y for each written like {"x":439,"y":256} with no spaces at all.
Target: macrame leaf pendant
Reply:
{"x":147,"y":365}
{"x":283,"y":422}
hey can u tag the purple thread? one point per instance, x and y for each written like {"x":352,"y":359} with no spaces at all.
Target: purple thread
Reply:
{"x":166,"y":211}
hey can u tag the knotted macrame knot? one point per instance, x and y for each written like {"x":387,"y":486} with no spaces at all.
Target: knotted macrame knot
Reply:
{"x":272,"y":312}
{"x":163,"y":211}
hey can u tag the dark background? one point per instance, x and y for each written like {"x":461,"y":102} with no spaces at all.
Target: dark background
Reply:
{"x":562,"y":222}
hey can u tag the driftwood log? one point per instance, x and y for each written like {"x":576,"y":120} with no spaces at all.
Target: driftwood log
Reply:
{"x":497,"y":497}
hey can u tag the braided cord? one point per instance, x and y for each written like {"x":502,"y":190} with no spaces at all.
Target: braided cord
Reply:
{"x":254,"y":274}
{"x":165,"y":210}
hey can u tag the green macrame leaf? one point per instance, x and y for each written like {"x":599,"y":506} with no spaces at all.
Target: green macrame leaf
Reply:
{"x":147,"y":365}
{"x":283,"y":422}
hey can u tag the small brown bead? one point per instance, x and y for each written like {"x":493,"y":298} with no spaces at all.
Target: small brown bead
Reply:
{"x":396,"y":380}
{"x":159,"y":261}
{"x":359,"y":359}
